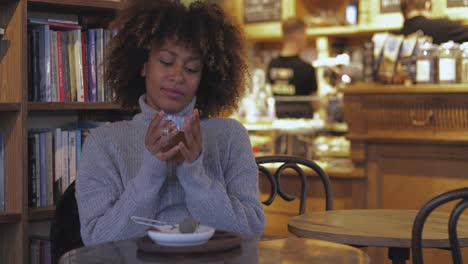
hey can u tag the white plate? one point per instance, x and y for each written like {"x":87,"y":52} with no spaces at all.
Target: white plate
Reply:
{"x":168,"y":236}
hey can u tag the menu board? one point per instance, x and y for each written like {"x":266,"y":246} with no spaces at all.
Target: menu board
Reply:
{"x":262,"y":11}
{"x":389,"y":6}
{"x":457,"y":3}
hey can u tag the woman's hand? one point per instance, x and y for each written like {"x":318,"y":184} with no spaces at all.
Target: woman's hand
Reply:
{"x":193,"y":137}
{"x":157,"y":136}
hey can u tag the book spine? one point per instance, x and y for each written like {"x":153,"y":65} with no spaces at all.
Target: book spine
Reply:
{"x":72,"y":64}
{"x":66,"y":68}
{"x":84,"y":55}
{"x":78,"y":65}
{"x":53,"y":66}
{"x":58,"y":163}
{"x":61,"y":91}
{"x":48,"y":64}
{"x":38,"y":169}
{"x":43,"y":169}
{"x":100,"y":65}
{"x":42,"y":64}
{"x":49,"y":167}
{"x":92,"y":65}
{"x":65,"y":161}
{"x":72,"y":155}
{"x":32,"y":201}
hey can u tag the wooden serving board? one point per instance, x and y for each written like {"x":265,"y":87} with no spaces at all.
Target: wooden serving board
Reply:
{"x":221,"y":241}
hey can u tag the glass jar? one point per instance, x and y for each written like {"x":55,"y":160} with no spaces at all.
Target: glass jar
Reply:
{"x":449,"y":62}
{"x":464,"y":62}
{"x":426,"y":63}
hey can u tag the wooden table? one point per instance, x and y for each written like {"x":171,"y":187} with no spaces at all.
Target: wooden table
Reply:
{"x":287,"y":250}
{"x":378,"y":228}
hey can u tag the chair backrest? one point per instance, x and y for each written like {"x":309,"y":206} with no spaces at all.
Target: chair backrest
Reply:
{"x":292,"y":162}
{"x":65,"y":227}
{"x":425,"y":211}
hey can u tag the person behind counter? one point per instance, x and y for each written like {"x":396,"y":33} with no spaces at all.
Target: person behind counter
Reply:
{"x":441,"y":30}
{"x":289,"y":74}
{"x":187,"y":62}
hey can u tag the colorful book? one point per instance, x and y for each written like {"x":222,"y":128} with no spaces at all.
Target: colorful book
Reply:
{"x":58,"y":152}
{"x":78,"y":65}
{"x":60,"y":87}
{"x":72,"y":65}
{"x":43,"y":169}
{"x":49,"y":167}
{"x":92,"y":85}
{"x":32,"y":181}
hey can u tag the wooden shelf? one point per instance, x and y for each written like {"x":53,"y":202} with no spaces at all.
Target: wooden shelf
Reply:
{"x":80,"y":4}
{"x":40,"y":106}
{"x":45,"y":213}
{"x":271,"y":31}
{"x":9,"y":218}
{"x":6,"y":107}
{"x":376,"y":88}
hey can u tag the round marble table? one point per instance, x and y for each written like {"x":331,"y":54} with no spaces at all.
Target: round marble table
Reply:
{"x":252,"y":250}
{"x":378,"y":228}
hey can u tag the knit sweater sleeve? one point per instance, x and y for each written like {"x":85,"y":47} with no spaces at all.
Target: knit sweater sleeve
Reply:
{"x":232,"y":204}
{"x":105,"y":202}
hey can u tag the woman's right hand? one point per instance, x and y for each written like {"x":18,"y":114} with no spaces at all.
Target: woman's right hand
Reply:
{"x":157,"y":136}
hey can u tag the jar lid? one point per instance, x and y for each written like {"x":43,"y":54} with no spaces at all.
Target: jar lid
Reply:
{"x":449,"y":45}
{"x":464,"y":46}
{"x":428,"y":46}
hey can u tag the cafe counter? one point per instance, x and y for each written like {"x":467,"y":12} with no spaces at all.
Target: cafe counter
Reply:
{"x":411,"y":142}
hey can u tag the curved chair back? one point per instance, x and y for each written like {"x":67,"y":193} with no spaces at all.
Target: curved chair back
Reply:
{"x":292,"y":162}
{"x":65,"y":227}
{"x":425,"y":211}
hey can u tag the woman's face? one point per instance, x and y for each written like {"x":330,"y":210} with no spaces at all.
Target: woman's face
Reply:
{"x":172,"y":75}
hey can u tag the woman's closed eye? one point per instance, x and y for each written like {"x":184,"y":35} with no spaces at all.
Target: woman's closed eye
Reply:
{"x":166,"y":62}
{"x":192,"y":70}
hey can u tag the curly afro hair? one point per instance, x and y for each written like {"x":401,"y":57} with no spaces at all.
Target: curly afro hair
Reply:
{"x":203,"y":26}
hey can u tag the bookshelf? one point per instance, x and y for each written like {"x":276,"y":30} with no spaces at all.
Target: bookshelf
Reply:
{"x":38,"y":214}
{"x":16,"y":113}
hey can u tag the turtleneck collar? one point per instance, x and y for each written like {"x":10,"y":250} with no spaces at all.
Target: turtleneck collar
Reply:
{"x":147,"y":112}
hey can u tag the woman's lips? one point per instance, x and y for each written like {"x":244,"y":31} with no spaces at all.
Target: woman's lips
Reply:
{"x":172,"y":93}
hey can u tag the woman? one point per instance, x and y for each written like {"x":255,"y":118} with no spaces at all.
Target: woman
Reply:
{"x":185,"y":64}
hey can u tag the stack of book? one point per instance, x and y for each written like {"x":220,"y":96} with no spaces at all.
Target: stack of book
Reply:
{"x":66,"y":62}
{"x":54,"y":155}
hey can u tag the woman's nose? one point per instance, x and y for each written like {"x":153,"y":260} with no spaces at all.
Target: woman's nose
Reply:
{"x":177,"y":74}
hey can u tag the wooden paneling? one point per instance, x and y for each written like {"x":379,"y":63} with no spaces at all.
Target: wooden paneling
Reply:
{"x":11,"y":51}
{"x":412,"y":144}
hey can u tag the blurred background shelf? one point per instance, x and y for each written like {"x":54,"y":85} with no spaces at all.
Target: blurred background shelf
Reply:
{"x":8,"y":107}
{"x":45,"y":213}
{"x":9,"y":218}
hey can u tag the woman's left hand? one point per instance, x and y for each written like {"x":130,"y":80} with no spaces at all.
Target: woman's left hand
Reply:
{"x":193,"y":137}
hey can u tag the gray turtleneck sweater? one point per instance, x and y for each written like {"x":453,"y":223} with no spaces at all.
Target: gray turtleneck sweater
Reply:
{"x":118,"y":178}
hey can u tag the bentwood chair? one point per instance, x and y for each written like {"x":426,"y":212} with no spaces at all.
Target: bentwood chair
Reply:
{"x":297,"y":164}
{"x":65,"y":227}
{"x":425,"y":211}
